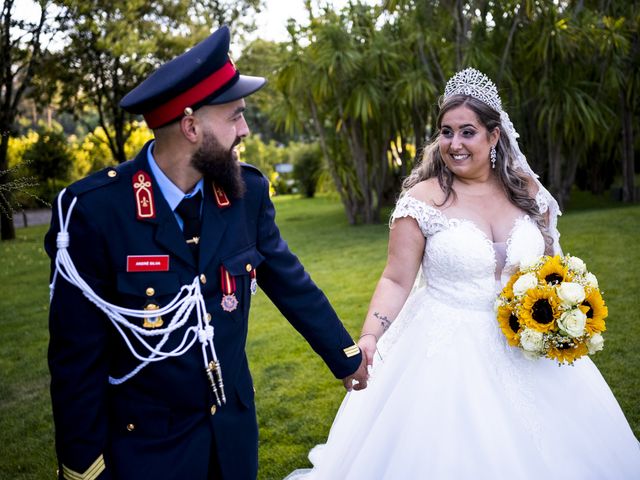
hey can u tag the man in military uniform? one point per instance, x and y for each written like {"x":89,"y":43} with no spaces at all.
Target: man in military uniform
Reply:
{"x":182,"y":235}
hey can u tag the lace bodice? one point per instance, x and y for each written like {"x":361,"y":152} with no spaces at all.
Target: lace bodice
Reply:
{"x":459,"y":262}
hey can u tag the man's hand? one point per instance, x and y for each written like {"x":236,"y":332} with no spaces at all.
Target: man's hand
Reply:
{"x":361,"y":375}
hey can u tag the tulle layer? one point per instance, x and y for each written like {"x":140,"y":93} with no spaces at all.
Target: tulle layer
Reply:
{"x":451,"y":400}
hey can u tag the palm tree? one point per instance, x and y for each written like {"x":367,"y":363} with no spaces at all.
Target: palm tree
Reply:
{"x":618,"y":41}
{"x":558,"y":91}
{"x":342,"y":80}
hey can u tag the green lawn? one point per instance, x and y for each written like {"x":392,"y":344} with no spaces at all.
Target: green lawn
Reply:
{"x":296,"y":394}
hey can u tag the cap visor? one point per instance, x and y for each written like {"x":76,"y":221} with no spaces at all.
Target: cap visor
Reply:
{"x":245,"y":86}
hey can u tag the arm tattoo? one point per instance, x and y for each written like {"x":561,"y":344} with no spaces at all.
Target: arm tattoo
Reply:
{"x":384,"y":321}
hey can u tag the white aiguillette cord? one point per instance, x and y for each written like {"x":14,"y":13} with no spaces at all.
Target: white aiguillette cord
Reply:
{"x":181,"y":306}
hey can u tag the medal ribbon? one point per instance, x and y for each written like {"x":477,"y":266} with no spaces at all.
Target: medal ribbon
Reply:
{"x":227,"y":282}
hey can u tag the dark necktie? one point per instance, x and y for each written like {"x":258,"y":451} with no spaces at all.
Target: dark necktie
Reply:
{"x":189,"y":211}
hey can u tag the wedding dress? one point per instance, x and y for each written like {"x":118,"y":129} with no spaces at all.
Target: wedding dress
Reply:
{"x":449,"y":399}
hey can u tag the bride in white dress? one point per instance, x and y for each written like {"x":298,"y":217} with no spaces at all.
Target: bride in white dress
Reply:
{"x":447,"y":397}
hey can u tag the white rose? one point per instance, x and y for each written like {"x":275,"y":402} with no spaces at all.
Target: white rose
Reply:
{"x":570,"y":293}
{"x":531,"y":355}
{"x":528,"y":263}
{"x":524,"y":283}
{"x":531,"y":340}
{"x":577,"y":265}
{"x":572,"y":322}
{"x":595,"y":343}
{"x":591,"y":280}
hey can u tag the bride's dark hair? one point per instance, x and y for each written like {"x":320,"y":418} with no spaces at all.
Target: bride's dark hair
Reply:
{"x":517,"y":185}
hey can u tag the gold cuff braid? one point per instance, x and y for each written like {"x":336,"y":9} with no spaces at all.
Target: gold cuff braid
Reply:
{"x":90,"y":473}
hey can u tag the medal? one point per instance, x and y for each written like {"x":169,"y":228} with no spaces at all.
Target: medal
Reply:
{"x":229,"y":302}
{"x":152,"y":322}
{"x":254,"y":282}
{"x":228,"y":283}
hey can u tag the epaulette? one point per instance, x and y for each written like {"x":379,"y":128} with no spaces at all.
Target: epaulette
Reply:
{"x":251,"y":168}
{"x":99,"y":179}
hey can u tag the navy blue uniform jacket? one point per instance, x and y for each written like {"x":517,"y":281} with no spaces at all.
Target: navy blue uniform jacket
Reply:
{"x":159,"y":424}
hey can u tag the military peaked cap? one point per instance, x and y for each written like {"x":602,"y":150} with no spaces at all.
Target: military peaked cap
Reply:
{"x":204,"y":75}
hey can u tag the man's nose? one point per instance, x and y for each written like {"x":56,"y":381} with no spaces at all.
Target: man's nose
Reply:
{"x":243,"y":128}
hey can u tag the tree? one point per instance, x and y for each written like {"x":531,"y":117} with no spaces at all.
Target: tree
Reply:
{"x":616,"y":35}
{"x":263,"y":58}
{"x":115,"y":44}
{"x":544,"y":58}
{"x":342,"y":83}
{"x":22,"y":44}
{"x":49,"y":158}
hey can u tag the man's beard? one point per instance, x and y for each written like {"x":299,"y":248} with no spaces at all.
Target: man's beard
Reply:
{"x":219,"y":165}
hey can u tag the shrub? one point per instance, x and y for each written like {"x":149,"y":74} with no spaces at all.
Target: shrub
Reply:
{"x":307,"y":167}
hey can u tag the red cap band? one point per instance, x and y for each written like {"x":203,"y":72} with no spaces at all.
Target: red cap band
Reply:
{"x":175,"y":107}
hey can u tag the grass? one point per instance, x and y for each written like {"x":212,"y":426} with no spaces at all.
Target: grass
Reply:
{"x":297,"y":396}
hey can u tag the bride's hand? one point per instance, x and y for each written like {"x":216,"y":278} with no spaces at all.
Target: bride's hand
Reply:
{"x":367,"y":344}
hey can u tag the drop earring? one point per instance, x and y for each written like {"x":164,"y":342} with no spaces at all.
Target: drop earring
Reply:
{"x":493,"y":156}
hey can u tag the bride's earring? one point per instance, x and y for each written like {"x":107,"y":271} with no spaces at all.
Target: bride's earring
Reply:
{"x":493,"y":156}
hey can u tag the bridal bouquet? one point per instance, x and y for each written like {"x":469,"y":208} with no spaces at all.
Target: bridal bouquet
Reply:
{"x":552,"y":307}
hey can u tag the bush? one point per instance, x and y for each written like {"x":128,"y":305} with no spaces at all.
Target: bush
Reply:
{"x":307,"y":167}
{"x":264,"y":156}
{"x":49,"y":160}
{"x":93,"y":152}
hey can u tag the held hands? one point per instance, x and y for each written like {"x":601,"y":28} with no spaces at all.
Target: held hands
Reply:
{"x":361,"y":375}
{"x":367,"y":344}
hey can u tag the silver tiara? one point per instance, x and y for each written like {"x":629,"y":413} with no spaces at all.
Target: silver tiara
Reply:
{"x":475,"y":84}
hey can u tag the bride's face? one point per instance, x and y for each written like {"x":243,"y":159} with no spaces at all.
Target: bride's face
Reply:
{"x":464,"y":143}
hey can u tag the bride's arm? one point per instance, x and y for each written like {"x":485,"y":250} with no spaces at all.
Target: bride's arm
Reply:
{"x":406,"y":247}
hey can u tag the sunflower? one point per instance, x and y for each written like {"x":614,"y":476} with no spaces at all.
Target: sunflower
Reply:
{"x":507,"y":291}
{"x":567,"y":351}
{"x":553,"y":272}
{"x":509,"y":324}
{"x":595,"y":309}
{"x":539,"y":309}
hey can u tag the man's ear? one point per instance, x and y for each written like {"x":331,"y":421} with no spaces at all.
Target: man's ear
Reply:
{"x":189,"y":128}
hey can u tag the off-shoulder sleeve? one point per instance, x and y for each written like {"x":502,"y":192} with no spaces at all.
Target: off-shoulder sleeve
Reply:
{"x":429,"y":219}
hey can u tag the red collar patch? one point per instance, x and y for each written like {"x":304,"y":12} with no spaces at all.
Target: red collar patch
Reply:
{"x":221,"y":198}
{"x":145,"y":205}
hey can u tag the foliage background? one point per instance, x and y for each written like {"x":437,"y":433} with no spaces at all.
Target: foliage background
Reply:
{"x":361,"y":82}
{"x":358,"y":86}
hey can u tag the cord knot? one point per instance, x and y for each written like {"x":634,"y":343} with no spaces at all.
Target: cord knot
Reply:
{"x":62,"y":240}
{"x":205,"y":334}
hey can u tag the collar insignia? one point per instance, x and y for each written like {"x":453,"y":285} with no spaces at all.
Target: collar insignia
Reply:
{"x":145,"y":205}
{"x":221,"y":198}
